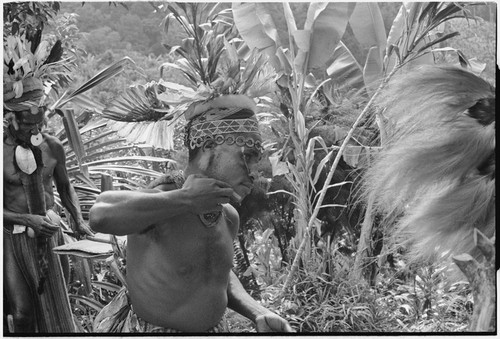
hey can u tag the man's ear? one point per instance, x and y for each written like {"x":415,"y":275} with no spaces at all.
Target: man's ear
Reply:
{"x":10,"y":118}
{"x":208,"y":145}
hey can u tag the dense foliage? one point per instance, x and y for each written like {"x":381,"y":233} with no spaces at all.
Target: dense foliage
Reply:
{"x":305,"y":113}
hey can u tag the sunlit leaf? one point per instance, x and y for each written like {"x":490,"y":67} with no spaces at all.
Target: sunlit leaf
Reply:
{"x":345,"y":71}
{"x":99,"y":78}
{"x":394,"y":36}
{"x":368,"y":26}
{"x":74,"y":137}
{"x":372,"y":72}
{"x":87,"y":301}
{"x":328,"y":24}
{"x":256,"y":26}
{"x":278,"y":167}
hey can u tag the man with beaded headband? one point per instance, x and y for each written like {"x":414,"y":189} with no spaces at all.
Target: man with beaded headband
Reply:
{"x":180,"y":233}
{"x":34,"y":284}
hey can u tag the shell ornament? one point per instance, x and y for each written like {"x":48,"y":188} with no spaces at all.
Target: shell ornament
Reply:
{"x":36,"y":139}
{"x":25,"y":159}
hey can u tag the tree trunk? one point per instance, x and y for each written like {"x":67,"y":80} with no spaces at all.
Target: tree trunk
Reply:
{"x":481,"y":277}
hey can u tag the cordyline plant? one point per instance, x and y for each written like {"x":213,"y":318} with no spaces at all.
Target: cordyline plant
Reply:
{"x":318,"y":45}
{"x":213,"y":62}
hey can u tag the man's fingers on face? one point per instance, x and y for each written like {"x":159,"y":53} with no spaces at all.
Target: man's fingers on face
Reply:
{"x":221,"y":184}
{"x":199,"y":176}
{"x":226,"y":192}
{"x":222,"y":201}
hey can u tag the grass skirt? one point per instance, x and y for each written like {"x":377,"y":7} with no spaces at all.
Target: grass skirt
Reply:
{"x":119,"y":317}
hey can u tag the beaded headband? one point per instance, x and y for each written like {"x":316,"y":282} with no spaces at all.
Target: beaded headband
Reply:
{"x":213,"y":120}
{"x":215,"y":130}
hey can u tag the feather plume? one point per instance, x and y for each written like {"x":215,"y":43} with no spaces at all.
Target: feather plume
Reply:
{"x":428,"y":182}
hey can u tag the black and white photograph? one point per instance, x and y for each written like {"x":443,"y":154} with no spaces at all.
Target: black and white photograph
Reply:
{"x":249,"y":168}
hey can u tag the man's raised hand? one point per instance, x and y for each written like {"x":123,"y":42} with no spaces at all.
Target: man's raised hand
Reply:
{"x":206,"y":194}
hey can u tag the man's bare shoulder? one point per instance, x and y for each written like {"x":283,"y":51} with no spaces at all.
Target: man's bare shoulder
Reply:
{"x":54,"y":143}
{"x":168,"y":182}
{"x":166,"y":187}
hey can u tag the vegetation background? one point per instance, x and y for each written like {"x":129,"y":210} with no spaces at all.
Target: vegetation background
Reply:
{"x":105,"y":32}
{"x":323,"y":298}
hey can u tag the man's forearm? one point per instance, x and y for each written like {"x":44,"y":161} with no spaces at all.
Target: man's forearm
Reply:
{"x":128,"y":212}
{"x":70,"y":201}
{"x":240,"y":301}
{"x":14,"y":218}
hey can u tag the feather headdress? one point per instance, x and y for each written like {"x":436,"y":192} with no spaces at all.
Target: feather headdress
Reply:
{"x":434,"y":180}
{"x":28,"y":65}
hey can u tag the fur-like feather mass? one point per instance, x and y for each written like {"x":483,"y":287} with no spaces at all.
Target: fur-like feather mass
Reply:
{"x":428,"y":182}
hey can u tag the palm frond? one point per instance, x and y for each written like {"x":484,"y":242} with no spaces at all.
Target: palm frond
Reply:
{"x":423,"y":19}
{"x":99,"y":78}
{"x":159,"y":134}
{"x":149,"y":113}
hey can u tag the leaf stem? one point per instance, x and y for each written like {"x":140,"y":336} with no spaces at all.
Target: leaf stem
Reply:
{"x":317,"y":207}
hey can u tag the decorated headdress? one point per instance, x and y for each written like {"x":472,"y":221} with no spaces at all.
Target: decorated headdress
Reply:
{"x":217,"y":100}
{"x":226,"y":119}
{"x":26,"y":65}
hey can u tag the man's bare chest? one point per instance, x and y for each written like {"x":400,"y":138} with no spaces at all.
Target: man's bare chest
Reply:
{"x":184,"y":248}
{"x":11,"y":171}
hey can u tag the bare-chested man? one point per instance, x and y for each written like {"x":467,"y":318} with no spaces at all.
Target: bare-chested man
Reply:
{"x":25,"y":218}
{"x":179,"y":247}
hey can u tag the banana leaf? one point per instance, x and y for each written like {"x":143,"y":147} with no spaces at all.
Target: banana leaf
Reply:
{"x":368,"y":26}
{"x":256,"y":27}
{"x":345,"y":71}
{"x":328,"y":24}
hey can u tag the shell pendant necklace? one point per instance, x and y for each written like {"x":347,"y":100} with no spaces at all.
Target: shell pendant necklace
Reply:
{"x":210,"y":219}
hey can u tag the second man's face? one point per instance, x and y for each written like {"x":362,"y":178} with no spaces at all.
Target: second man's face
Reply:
{"x":29,"y":125}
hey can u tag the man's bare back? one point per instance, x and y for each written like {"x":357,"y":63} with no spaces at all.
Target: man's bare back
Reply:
{"x":190,"y":264}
